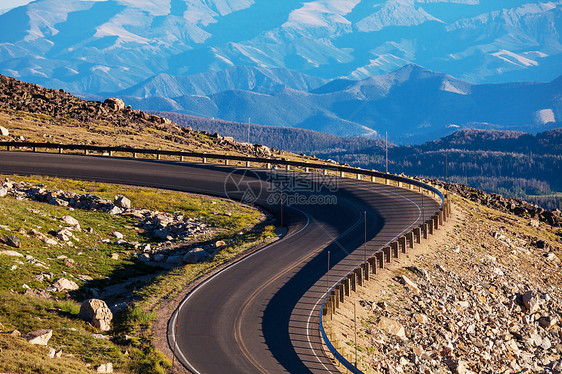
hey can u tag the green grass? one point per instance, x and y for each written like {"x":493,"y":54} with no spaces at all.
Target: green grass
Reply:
{"x":92,"y":257}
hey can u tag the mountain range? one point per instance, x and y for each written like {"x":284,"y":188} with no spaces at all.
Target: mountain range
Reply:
{"x":319,"y":64}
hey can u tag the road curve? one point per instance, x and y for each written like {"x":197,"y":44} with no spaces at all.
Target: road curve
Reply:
{"x":261,"y":313}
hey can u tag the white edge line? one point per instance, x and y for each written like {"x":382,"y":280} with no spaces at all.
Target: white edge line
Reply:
{"x":326,"y":292}
{"x":174,"y":321}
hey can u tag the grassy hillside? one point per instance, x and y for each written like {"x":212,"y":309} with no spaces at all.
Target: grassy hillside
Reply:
{"x":102,"y":268}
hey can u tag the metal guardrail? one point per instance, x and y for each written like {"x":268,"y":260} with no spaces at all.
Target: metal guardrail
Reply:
{"x":356,"y":276}
{"x":362,"y":272}
{"x":215,"y":156}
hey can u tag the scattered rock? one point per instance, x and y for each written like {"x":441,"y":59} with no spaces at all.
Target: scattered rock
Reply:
{"x":122,"y":202}
{"x":547,"y":322}
{"x":39,"y":337}
{"x":392,"y":327}
{"x":117,"y":234}
{"x":40,"y":294}
{"x":71,"y":221}
{"x":115,"y":210}
{"x":97,"y":313}
{"x":159,"y":257}
{"x":4,"y":131}
{"x":12,"y":241}
{"x":531,"y":301}
{"x":195,"y":255}
{"x":11,"y":253}
{"x":419,"y":272}
{"x":63,"y":284}
{"x":144,"y":257}
{"x":104,"y":368}
{"x":3,"y":191}
{"x":409,"y":283}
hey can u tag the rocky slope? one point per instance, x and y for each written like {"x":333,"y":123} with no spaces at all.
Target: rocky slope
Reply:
{"x":517,"y":207}
{"x":482,"y":296}
{"x":30,"y":112}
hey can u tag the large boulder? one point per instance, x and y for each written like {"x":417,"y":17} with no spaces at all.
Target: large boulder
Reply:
{"x":40,"y":337}
{"x":114,"y":103}
{"x":4,"y":131}
{"x":97,"y":313}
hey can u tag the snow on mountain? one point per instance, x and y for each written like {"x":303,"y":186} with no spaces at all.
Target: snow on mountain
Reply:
{"x":395,"y":13}
{"x":206,"y":49}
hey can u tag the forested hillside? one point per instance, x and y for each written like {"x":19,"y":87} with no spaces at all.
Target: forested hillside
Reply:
{"x":515,"y":164}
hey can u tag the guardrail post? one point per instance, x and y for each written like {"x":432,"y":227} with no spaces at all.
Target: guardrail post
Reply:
{"x":386,"y":181}
{"x":386,"y":251}
{"x":342,"y":174}
{"x":358,"y":176}
{"x":394,"y":246}
{"x":410,"y":237}
{"x":365,"y":267}
{"x":436,"y":220}
{"x":111,"y":153}
{"x":373,"y":262}
{"x":134,"y":154}
{"x":342,"y":293}
{"x":353,"y":281}
{"x":182,"y":159}
{"x":325,"y":171}
{"x":247,"y":164}
{"x":157,"y":156}
{"x":346,"y":285}
{"x":399,"y":184}
{"x":425,"y":229}
{"x":60,"y":149}
{"x":440,"y":217}
{"x":430,"y":226}
{"x":402,"y":242}
{"x":268,"y":165}
{"x":417,"y":235}
{"x":226,"y":162}
{"x":34,"y":149}
{"x":287,"y":167}
{"x":373,"y":179}
{"x":333,"y":301}
{"x":307,"y":169}
{"x":380,"y":259}
{"x":358,"y":272}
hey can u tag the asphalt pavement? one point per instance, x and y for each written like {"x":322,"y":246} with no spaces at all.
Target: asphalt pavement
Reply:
{"x":260,"y":314}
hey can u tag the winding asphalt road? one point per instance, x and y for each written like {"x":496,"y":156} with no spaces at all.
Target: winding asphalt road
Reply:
{"x":260,"y":314}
